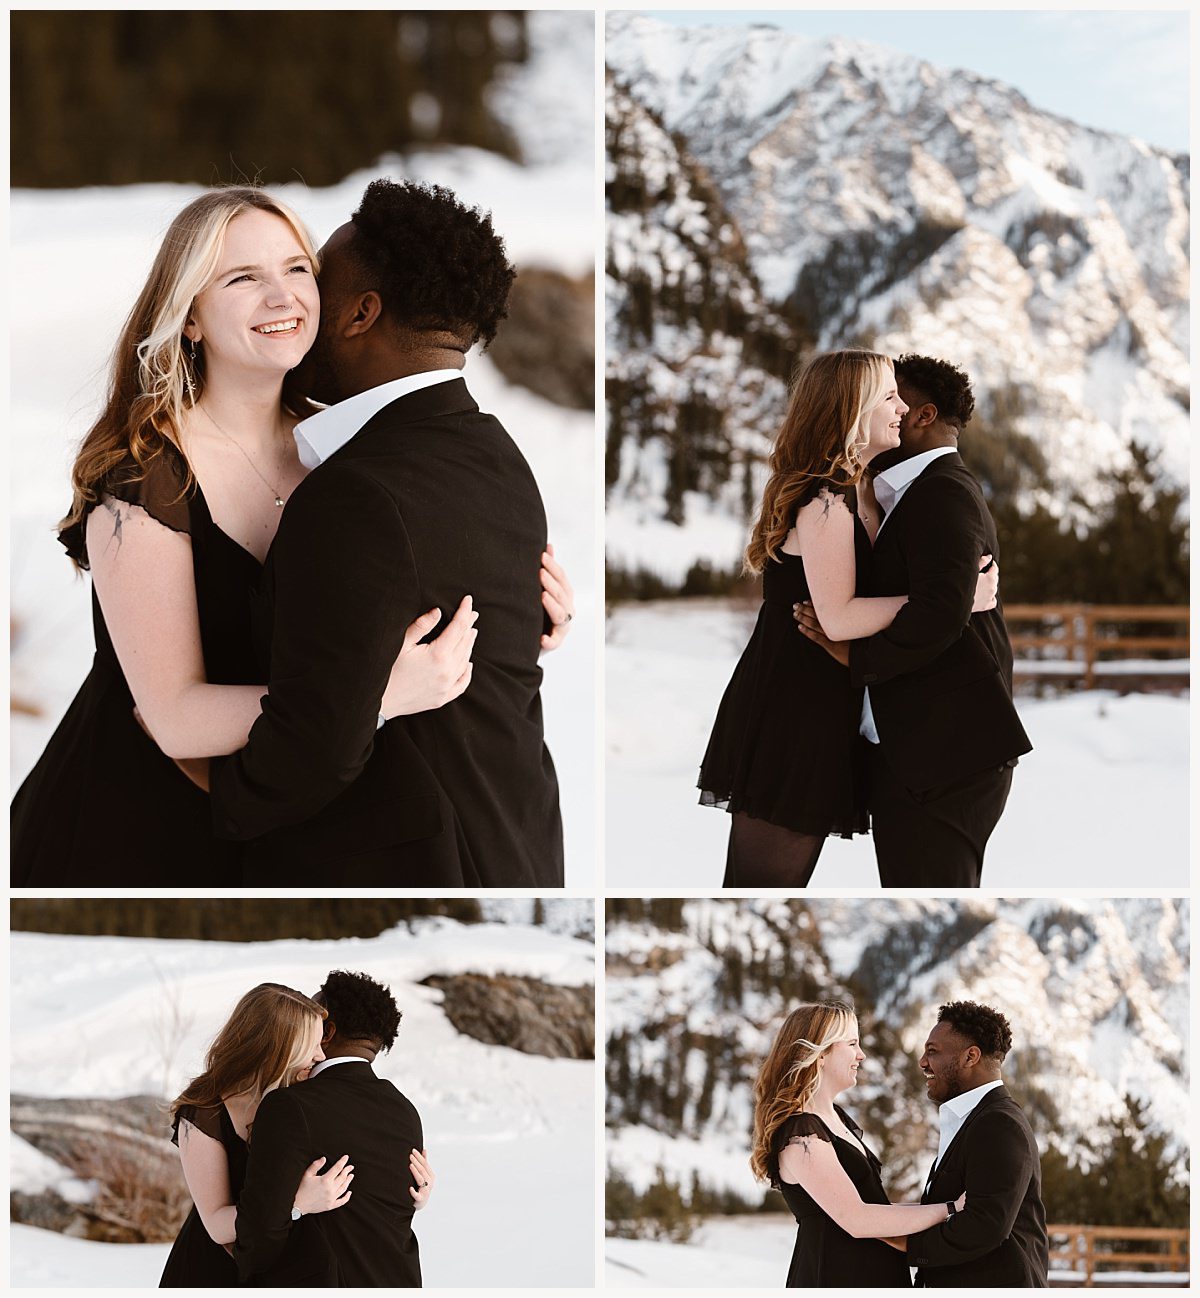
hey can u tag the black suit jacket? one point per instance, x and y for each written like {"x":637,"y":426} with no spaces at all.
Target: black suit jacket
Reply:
{"x":428,"y":502}
{"x":999,"y":1239}
{"x":940,"y":678}
{"x":369,"y":1242}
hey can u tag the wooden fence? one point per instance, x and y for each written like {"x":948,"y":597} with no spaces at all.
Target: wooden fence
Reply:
{"x":1081,"y":1256}
{"x":1079,"y":639}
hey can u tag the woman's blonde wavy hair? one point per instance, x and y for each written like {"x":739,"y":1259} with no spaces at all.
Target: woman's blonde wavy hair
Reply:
{"x":263,"y":1046}
{"x":824,"y":432}
{"x":149,"y":392}
{"x":789,"y":1075}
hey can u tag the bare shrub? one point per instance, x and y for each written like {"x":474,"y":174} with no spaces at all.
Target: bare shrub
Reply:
{"x":170,"y":1026}
{"x":142,"y":1198}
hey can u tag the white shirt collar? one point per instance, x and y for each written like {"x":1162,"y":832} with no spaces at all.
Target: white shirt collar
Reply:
{"x":329,"y":1063}
{"x":964,"y":1104}
{"x":899,"y":477}
{"x":953,"y":1113}
{"x":318,"y":436}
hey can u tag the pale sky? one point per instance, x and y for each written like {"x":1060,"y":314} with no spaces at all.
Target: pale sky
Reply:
{"x":1119,"y":70}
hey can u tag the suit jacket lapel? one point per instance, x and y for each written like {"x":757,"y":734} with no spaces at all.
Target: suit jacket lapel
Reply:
{"x":999,"y":1092}
{"x":940,"y":465}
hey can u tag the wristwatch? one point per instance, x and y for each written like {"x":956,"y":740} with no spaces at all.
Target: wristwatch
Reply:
{"x":950,"y":1210}
{"x":296,"y":1214}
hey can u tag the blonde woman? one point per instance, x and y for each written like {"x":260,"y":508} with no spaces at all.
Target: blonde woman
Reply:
{"x":813,"y":1152}
{"x":272,"y":1039}
{"x":781,"y":757}
{"x":178,"y":491}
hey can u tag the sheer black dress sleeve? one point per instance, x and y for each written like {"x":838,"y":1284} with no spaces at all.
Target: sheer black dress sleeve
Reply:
{"x":162,"y":490}
{"x":795,"y":1130}
{"x":207,"y":1120}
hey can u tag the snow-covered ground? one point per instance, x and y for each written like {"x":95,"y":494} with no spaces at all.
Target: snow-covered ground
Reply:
{"x":510,"y":1136}
{"x":725,"y":1252}
{"x":754,"y":1253}
{"x":42,"y":1259}
{"x":1105,"y":787}
{"x":78,"y":259}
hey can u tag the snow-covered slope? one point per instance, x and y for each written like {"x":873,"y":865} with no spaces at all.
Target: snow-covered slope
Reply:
{"x":886,"y":202}
{"x":1096,"y":992}
{"x":510,"y":1135}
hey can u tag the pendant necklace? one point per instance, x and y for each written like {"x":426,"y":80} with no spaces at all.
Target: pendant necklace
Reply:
{"x":273,"y":490}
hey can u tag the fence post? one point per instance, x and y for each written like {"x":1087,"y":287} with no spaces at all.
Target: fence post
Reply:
{"x":1089,"y":649}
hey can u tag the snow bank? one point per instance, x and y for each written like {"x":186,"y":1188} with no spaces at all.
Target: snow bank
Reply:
{"x":32,"y":1172}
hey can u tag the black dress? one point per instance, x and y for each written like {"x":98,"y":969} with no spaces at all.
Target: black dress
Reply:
{"x":104,"y":807}
{"x":825,"y":1257}
{"x":196,"y":1261}
{"x":783,"y":747}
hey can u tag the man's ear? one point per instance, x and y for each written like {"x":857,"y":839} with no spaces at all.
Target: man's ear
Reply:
{"x":927,"y":414}
{"x":363,"y":312}
{"x":327,"y":1031}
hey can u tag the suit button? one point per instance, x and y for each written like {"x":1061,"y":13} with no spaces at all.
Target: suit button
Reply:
{"x":870,"y":678}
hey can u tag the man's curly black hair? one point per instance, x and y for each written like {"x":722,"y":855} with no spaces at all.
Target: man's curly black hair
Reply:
{"x":361,"y":1008}
{"x":940,"y":382}
{"x":980,"y":1024}
{"x":436,"y":263}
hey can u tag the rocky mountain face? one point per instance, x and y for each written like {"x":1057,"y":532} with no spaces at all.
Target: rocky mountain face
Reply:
{"x":872,"y":199}
{"x":1096,"y":992}
{"x":686,"y":318}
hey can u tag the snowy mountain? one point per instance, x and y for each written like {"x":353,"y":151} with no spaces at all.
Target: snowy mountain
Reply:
{"x":879,"y":200}
{"x":1096,"y":992}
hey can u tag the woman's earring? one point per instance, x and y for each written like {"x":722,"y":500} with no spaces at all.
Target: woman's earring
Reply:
{"x":189,"y":365}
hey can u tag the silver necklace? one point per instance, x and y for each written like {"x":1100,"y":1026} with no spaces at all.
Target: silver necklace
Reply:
{"x":273,"y":490}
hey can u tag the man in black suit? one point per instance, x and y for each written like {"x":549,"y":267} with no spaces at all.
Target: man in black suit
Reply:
{"x":940,"y":733}
{"x":988,"y":1150}
{"x":342,"y":1108}
{"x":417,"y":500}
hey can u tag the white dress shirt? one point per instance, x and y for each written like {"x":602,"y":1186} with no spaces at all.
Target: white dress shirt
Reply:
{"x":318,"y":436}
{"x":341,"y":1059}
{"x":890,"y":486}
{"x":954,"y":1113}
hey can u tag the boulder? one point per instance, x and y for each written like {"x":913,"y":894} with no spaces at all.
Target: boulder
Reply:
{"x":548,"y":342}
{"x":535,"y":1017}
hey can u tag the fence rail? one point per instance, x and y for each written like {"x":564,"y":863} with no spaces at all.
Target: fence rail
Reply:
{"x":1081,"y":633}
{"x":1081,"y":1256}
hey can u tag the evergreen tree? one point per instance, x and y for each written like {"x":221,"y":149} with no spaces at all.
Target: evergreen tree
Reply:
{"x":226,"y":919}
{"x":113,"y":97}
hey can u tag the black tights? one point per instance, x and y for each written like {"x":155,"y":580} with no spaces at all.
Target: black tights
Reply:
{"x":762,"y":855}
